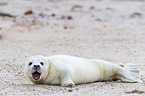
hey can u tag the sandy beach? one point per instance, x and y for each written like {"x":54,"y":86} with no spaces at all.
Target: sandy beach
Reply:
{"x":112,"y":30}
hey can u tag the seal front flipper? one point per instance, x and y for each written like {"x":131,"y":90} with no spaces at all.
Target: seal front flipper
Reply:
{"x":66,"y":76}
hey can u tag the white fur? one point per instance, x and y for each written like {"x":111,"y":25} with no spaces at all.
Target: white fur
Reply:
{"x":69,"y":70}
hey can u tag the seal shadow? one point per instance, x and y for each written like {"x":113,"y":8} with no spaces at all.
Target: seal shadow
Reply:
{"x":59,"y":85}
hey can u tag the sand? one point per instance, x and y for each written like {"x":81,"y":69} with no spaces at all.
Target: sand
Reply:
{"x":109,"y":30}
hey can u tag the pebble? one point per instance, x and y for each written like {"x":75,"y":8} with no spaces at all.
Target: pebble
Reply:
{"x":28,"y":12}
{"x":3,"y":3}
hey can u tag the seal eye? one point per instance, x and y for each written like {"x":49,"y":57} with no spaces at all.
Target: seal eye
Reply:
{"x":42,"y":63}
{"x":30,"y":63}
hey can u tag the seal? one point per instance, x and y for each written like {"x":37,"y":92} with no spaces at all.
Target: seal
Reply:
{"x":70,"y":70}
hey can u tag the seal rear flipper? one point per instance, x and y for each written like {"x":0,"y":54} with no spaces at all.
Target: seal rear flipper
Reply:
{"x":128,"y":73}
{"x":133,"y":68}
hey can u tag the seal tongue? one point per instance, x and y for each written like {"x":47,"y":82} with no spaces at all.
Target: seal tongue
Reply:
{"x":36,"y":75}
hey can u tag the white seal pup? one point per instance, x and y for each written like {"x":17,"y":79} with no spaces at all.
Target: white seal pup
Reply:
{"x":69,"y":70}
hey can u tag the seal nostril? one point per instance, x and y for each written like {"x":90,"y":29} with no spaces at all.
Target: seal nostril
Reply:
{"x":36,"y":66}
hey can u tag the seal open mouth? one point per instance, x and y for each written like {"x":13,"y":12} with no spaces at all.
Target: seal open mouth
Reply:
{"x":36,"y":75}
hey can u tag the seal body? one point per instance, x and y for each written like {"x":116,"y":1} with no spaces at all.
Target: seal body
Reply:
{"x":69,"y":70}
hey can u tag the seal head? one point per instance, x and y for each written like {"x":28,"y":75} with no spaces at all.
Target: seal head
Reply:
{"x":36,"y":68}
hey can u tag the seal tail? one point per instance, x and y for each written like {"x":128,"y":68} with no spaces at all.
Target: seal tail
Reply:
{"x":128,"y":73}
